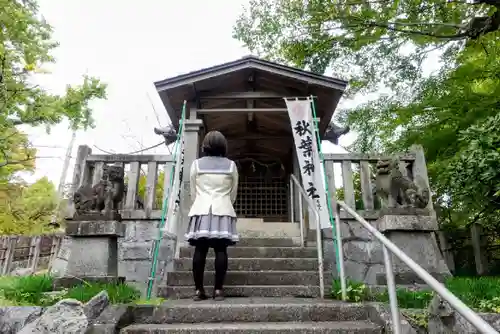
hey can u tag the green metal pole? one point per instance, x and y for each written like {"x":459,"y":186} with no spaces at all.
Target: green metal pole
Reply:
{"x":327,"y":192}
{"x":157,"y":242}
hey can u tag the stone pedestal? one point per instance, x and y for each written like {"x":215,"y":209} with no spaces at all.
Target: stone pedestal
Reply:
{"x":415,"y":236}
{"x":94,"y":248}
{"x":363,"y":255}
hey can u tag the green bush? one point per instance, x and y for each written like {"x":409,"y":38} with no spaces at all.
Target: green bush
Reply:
{"x":481,"y":293}
{"x":356,"y":291}
{"x":118,"y":293}
{"x":33,"y":290}
{"x":26,"y":289}
{"x":474,"y":290}
{"x":407,"y":298}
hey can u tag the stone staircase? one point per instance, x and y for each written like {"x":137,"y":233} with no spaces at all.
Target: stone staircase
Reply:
{"x":267,"y":262}
{"x":272,"y":286}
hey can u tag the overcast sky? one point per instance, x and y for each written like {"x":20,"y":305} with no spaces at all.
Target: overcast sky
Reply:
{"x":129,"y":45}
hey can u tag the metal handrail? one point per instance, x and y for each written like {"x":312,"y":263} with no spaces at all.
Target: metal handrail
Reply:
{"x":481,"y":325}
{"x":319,"y":243}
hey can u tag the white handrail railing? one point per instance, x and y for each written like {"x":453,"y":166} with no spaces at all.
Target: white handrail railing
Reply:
{"x":481,"y":325}
{"x":319,"y":243}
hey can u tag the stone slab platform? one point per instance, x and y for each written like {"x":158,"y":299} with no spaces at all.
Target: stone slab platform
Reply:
{"x":248,"y":310}
{"x":100,"y":228}
{"x":254,"y":264}
{"x":185,"y":278}
{"x":259,"y":252}
{"x":344,"y":327}
{"x":299,"y":291}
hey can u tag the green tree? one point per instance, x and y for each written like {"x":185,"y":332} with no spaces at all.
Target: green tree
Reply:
{"x":25,"y":46}
{"x":27,"y":209}
{"x":370,"y":42}
{"x":452,"y":115}
{"x":159,"y":189}
{"x":19,"y":150}
{"x":384,"y":44}
{"x":473,"y":174}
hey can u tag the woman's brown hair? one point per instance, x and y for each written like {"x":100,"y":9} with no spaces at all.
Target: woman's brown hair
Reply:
{"x":214,"y":144}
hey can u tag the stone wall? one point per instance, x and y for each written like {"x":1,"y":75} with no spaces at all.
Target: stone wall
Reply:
{"x":363,"y":258}
{"x":135,"y":253}
{"x":363,"y":254}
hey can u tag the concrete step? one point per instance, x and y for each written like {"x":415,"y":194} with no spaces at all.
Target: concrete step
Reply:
{"x":264,"y":242}
{"x":183,"y":278}
{"x":340,"y":327}
{"x":300,"y":291}
{"x":259,"y":252}
{"x":269,"y":242}
{"x":248,"y":310}
{"x":257,"y":228}
{"x":254,"y":264}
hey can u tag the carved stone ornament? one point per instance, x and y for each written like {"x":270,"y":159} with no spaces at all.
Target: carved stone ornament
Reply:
{"x":168,"y":132}
{"x":334,"y":132}
{"x":100,"y":201}
{"x":396,"y":190}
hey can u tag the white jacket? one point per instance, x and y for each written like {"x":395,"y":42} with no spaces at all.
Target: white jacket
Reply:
{"x":213,"y":185}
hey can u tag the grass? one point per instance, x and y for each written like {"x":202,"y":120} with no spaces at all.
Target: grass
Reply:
{"x":35,"y":290}
{"x":479,"y":293}
{"x":118,"y":293}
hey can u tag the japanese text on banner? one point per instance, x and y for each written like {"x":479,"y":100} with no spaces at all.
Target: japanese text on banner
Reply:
{"x":308,"y":155}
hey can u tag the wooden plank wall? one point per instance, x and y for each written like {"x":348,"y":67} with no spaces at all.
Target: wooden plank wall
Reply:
{"x":35,"y":252}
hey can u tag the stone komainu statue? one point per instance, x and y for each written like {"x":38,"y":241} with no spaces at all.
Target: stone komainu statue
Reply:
{"x":391,"y":183}
{"x":334,"y":132}
{"x":169,"y":133}
{"x":103,"y":196}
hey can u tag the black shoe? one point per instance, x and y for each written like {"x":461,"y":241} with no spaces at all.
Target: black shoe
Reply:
{"x":199,"y":295}
{"x":218,"y":295}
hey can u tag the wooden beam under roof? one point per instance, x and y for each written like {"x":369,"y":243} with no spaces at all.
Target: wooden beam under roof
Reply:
{"x":240,"y":110}
{"x":243,"y":95}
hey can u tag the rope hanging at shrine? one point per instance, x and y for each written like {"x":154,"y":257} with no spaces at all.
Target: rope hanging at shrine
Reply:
{"x":268,"y":167}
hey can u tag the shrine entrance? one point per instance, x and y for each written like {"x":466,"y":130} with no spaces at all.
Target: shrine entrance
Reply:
{"x":244,"y":100}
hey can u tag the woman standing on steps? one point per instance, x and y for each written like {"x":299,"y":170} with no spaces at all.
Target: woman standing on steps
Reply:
{"x":212,"y":219}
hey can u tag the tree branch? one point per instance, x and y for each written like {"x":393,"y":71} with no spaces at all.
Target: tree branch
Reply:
{"x":388,"y":26}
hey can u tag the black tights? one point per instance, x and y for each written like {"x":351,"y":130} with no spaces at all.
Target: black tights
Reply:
{"x":199,"y":259}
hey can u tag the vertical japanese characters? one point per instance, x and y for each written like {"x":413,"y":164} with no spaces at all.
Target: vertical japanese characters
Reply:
{"x":303,"y":129}
{"x":304,"y":134}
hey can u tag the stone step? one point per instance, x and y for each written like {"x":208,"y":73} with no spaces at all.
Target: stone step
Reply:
{"x":300,"y":291}
{"x":339,"y":327}
{"x":264,"y":242}
{"x":259,"y":252}
{"x":249,"y":310}
{"x":254,"y":264}
{"x":269,"y":242}
{"x":183,"y":278}
{"x":256,"y":228}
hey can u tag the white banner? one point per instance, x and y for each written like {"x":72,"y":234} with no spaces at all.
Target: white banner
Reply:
{"x":174,"y":194}
{"x":308,"y":156}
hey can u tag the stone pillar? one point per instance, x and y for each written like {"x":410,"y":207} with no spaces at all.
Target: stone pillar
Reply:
{"x":416,"y":236}
{"x":93,"y":251}
{"x":191,"y":152}
{"x":81,"y":175}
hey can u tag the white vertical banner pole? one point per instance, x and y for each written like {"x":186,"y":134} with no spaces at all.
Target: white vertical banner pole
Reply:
{"x":173,"y":212}
{"x":302,"y":122}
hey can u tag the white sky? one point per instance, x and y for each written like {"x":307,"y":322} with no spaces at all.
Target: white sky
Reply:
{"x":129,"y":45}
